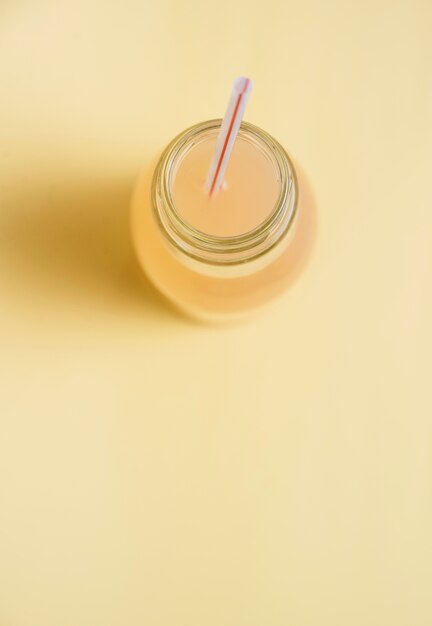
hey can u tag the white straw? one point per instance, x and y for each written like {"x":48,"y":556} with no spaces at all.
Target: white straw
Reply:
{"x":230,"y":125}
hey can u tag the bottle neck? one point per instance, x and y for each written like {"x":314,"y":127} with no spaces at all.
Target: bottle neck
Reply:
{"x":226,"y":256}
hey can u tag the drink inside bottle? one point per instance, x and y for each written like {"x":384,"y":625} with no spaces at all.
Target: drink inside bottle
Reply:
{"x":247,"y":196}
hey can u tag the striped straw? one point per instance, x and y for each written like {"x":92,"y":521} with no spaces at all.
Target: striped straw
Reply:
{"x":230,"y":125}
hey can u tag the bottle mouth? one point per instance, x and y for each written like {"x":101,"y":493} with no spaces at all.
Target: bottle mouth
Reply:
{"x":224,"y":250}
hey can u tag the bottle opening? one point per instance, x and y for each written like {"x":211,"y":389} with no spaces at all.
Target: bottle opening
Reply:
{"x":248,"y":195}
{"x":241,"y":222}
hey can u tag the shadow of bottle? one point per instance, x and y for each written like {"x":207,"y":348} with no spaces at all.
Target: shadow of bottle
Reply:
{"x":70,"y":244}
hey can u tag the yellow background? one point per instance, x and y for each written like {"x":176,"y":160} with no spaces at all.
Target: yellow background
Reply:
{"x":157,"y":472}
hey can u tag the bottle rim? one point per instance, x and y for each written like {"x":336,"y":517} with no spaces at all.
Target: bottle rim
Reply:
{"x":224,"y":250}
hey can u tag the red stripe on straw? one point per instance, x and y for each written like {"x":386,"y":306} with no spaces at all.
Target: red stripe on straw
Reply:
{"x":239,"y":97}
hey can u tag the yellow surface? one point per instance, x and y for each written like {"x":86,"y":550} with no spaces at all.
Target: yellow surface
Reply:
{"x":158,"y":473}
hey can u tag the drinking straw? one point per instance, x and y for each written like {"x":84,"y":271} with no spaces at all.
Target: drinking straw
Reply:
{"x":230,"y":125}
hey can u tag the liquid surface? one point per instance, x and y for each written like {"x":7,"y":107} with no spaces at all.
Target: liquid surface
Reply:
{"x":246,"y":199}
